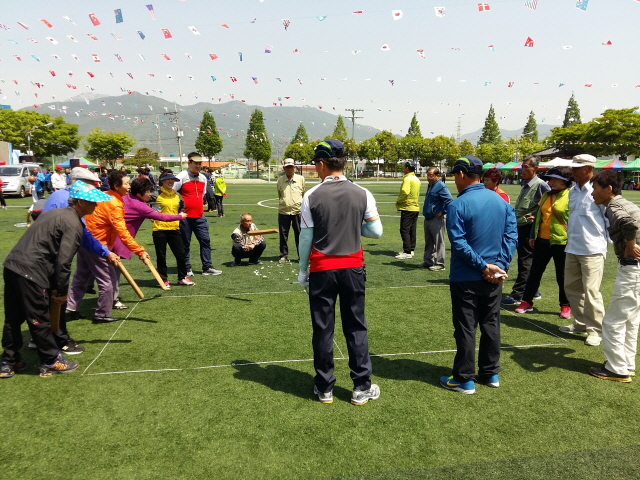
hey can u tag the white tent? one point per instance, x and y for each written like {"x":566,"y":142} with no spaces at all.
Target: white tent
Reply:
{"x":557,"y":162}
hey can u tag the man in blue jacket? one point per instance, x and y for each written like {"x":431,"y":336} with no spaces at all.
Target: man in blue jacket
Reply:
{"x":483,"y":234}
{"x":436,"y":201}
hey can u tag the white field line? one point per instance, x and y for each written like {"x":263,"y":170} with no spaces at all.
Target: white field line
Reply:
{"x":267,"y":200}
{"x":271,"y":362}
{"x":336,"y":344}
{"x":521,"y":317}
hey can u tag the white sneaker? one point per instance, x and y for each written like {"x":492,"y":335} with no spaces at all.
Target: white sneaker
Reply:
{"x":593,"y":340}
{"x":572,"y":329}
{"x":323,"y":397}
{"x":404,"y":256}
{"x":360,"y":397}
{"x":190,"y":273}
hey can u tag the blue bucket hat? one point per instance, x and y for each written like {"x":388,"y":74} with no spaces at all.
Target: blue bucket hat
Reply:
{"x":467,"y":164}
{"x":329,"y":149}
{"x":81,"y":191}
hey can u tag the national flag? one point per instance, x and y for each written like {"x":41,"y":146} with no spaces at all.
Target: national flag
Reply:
{"x":70,"y":21}
{"x":268,"y":49}
{"x":194,"y":30}
{"x":26,"y":27}
{"x":165,"y":56}
{"x":46,"y":23}
{"x":385,"y":47}
{"x":240,"y":55}
{"x":95,"y":58}
{"x":35,"y":57}
{"x":94,"y":19}
{"x":75,"y":57}
{"x":53,"y":74}
{"x":17,"y":58}
{"x":255,"y":79}
{"x":139,"y":32}
{"x":588,"y":85}
{"x":92,"y":36}
{"x":90,"y":74}
{"x":532,"y":4}
{"x":233,"y":79}
{"x":608,"y":42}
{"x":72,"y":38}
{"x":213,"y":56}
{"x":151,"y":11}
{"x":166,"y":33}
{"x":321,"y":18}
{"x":116,"y":36}
{"x":510,"y":84}
{"x":492,"y":48}
{"x":396,"y":14}
{"x":582,"y":5}
{"x":392,"y":82}
{"x":528,"y":42}
{"x":286,"y":22}
{"x":483,"y":7}
{"x":118,"y":57}
{"x":52,"y":40}
{"x":358,"y":12}
{"x":421,"y":53}
{"x":439,"y":11}
{"x":118,"y":14}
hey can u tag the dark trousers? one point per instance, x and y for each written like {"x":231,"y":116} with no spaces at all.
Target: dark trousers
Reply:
{"x":285,"y":222}
{"x":253,"y":255}
{"x":200,"y":228}
{"x":219,"y":206}
{"x":543,"y":252}
{"x":211,"y":201}
{"x":408,"y":223}
{"x":525,"y":257}
{"x":24,"y":300}
{"x":173,"y":238}
{"x":474,"y":303}
{"x":324,"y":288}
{"x":2,"y":202}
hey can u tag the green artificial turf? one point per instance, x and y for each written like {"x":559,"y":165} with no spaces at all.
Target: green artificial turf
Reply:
{"x":216,"y":381}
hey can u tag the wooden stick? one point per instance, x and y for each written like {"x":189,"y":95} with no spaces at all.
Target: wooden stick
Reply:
{"x":130,"y":279}
{"x":263,"y":232}
{"x":54,"y":313}
{"x":153,"y":270}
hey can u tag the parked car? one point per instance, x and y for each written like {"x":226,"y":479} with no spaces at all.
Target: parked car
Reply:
{"x":16,"y":178}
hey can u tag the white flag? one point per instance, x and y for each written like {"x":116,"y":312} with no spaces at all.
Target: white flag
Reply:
{"x":397,"y":14}
{"x":439,"y":11}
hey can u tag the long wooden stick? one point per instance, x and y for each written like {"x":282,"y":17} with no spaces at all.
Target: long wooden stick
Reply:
{"x":263,"y":232}
{"x":54,"y":313}
{"x":153,"y":270}
{"x":130,"y":279}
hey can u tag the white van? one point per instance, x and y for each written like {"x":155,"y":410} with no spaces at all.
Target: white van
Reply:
{"x":16,"y":178}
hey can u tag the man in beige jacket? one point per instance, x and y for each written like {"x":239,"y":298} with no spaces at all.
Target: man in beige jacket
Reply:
{"x":290,"y":192}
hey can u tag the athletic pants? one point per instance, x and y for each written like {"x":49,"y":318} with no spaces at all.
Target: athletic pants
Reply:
{"x":543,"y":252}
{"x":408,"y":224}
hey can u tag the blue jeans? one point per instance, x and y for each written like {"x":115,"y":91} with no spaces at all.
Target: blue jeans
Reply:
{"x":200,"y":228}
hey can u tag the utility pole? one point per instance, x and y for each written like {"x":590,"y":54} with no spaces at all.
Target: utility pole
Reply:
{"x":353,"y":131}
{"x":459,"y":129}
{"x":179,"y":133}
{"x":158,"y":139}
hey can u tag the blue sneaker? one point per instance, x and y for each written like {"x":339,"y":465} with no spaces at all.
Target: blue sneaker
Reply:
{"x":510,"y":301}
{"x":491,"y":381}
{"x":468,"y":387}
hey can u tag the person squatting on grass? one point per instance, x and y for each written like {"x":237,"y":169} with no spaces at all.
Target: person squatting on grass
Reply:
{"x":586,"y":251}
{"x":36,"y":273}
{"x":335,"y":213}
{"x":621,"y":320}
{"x":483,"y":234}
{"x":549,"y":239}
{"x":407,"y":205}
{"x":106,"y":223}
{"x":192,"y":185}
{"x":136,"y":210}
{"x":245,"y":245}
{"x":168,"y":233}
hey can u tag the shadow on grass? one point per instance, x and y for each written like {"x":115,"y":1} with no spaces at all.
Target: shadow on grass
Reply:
{"x":237,"y":299}
{"x":82,"y":342}
{"x":283,"y":379}
{"x":386,"y":253}
{"x":407,"y":369}
{"x":532,"y":324}
{"x":538,"y":359}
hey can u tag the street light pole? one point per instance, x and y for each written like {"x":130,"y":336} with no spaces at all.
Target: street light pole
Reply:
{"x":353,"y":131}
{"x":30,"y":131}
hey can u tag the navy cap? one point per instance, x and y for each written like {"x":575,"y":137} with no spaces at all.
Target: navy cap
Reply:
{"x":168,"y":176}
{"x":467,"y":164}
{"x":411,"y":165}
{"x":329,"y":149}
{"x":554,"y":173}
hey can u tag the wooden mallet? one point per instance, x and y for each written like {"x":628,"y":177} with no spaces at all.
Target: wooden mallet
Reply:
{"x":54,"y":313}
{"x":153,"y":270}
{"x":130,"y":279}
{"x":263,"y":232}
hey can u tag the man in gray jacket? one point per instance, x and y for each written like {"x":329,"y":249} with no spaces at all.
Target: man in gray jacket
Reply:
{"x":436,"y":201}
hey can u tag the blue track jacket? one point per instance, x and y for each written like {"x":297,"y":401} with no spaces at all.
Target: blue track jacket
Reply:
{"x":482,"y":229}
{"x":436,"y":200}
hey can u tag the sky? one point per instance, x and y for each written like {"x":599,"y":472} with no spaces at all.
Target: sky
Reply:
{"x":332,"y":58}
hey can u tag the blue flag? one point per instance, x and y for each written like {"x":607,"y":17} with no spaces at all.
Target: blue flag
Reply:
{"x":118,"y":13}
{"x":582,"y":5}
{"x":141,"y":34}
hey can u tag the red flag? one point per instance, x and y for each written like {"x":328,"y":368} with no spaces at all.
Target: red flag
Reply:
{"x":483,"y":7}
{"x":91,"y":74}
{"x":588,"y":85}
{"x":510,"y":84}
{"x":53,"y":74}
{"x":166,"y":33}
{"x":608,"y":42}
{"x":213,"y":56}
{"x":46,"y":23}
{"x":166,"y":57}
{"x":528,"y":42}
{"x":94,"y":19}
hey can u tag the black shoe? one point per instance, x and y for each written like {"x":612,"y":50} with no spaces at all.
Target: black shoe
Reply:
{"x":603,"y":373}
{"x":8,"y":370}
{"x":91,"y":290}
{"x":98,"y":319}
{"x":72,"y":348}
{"x":235,"y":264}
{"x":73,"y":315}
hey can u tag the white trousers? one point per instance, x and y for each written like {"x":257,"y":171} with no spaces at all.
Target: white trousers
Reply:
{"x":620,"y":322}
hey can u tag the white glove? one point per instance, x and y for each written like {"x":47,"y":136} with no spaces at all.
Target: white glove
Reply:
{"x":303,"y":279}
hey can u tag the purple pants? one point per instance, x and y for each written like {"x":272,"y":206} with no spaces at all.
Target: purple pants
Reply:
{"x":90,"y":265}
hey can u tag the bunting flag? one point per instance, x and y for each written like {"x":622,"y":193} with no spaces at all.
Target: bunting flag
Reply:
{"x":32,"y":40}
{"x":240,"y":55}
{"x":510,"y":84}
{"x":439,"y":11}
{"x":69,"y":20}
{"x":567,"y":47}
{"x":46,"y":23}
{"x":72,"y":38}
{"x":561,"y":85}
{"x":188,"y":55}
{"x":608,"y":42}
{"x":492,"y":48}
{"x":255,"y":79}
{"x":166,"y":33}
{"x":321,"y":18}
{"x":53,"y":74}
{"x":355,"y":52}
{"x":582,"y":5}
{"x":528,"y":42}
{"x":75,"y":57}
{"x":532,"y":4}
{"x":116,"y":36}
{"x":421,"y":53}
{"x":396,"y":14}
{"x":165,"y":56}
{"x":213,"y":56}
{"x":254,"y":20}
{"x":588,"y":85}
{"x":118,"y":14}
{"x":151,"y":11}
{"x":94,"y":19}
{"x":359,"y":12}
{"x":35,"y":57}
{"x":233,"y":79}
{"x":385,"y":47}
{"x":483,"y":7}
{"x":268,"y":49}
{"x":194,"y":30}
{"x":213,"y":78}
{"x":92,"y":36}
{"x":91,"y":75}
{"x":487,"y":84}
{"x":392,"y":82}
{"x":286,"y":22}
{"x":118,"y":57}
{"x":224,"y":25}
{"x":295,"y":50}
{"x":52,"y":40}
{"x":139,"y":32}
{"x":142,"y":57}
{"x":95,"y":58}
{"x":55,"y":56}
{"x":26,"y":27}
{"x":170,"y":77}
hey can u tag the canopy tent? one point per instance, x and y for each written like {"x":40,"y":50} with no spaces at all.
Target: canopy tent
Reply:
{"x":511,"y":166}
{"x":611,"y":165}
{"x":632,"y":166}
{"x":487,"y":166}
{"x":556,"y":162}
{"x":84,"y":163}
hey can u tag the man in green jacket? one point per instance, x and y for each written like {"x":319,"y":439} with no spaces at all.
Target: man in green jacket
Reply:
{"x":407,"y":205}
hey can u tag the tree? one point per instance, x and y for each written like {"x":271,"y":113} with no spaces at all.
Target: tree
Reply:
{"x":466,"y":148}
{"x":257,"y":144}
{"x":142,"y":157}
{"x":340,"y":131}
{"x":414,"y":128}
{"x":490,"y":131}
{"x":568,"y":139}
{"x":441,"y":149}
{"x":299,"y":151}
{"x":59,"y":138}
{"x":572,"y":114}
{"x":388,"y":149}
{"x":412,"y":147}
{"x":107,"y":146}
{"x":369,"y":150}
{"x":616,"y":132}
{"x":500,"y":153}
{"x":301,"y":135}
{"x":208,"y":142}
{"x":530,"y":130}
